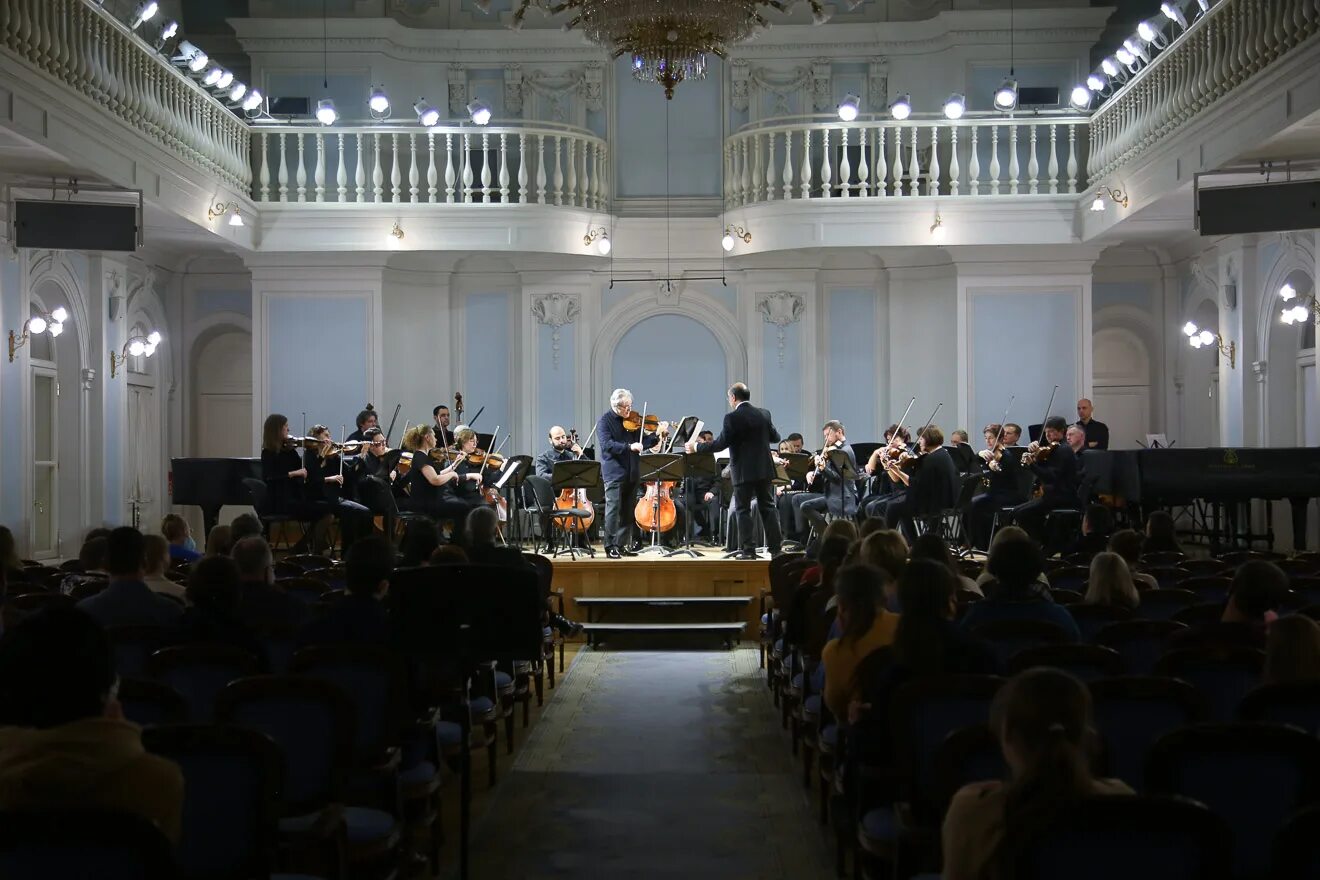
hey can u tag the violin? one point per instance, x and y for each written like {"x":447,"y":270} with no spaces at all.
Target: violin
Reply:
{"x":634,"y":421}
{"x":301,"y":443}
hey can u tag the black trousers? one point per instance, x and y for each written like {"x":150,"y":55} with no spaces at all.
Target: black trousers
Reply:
{"x":763,"y":494}
{"x":981,"y":516}
{"x":452,"y":508}
{"x":620,"y":499}
{"x":1031,"y":515}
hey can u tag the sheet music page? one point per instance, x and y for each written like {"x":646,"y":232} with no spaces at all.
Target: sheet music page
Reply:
{"x":511,"y":467}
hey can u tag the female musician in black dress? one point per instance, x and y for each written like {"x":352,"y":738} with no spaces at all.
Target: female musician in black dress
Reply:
{"x":286,"y":482}
{"x":441,"y":491}
{"x":325,"y":482}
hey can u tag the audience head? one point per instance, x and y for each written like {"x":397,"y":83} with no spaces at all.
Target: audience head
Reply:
{"x":928,"y":594}
{"x":833,"y":553}
{"x":156,"y":555}
{"x":1258,"y":588}
{"x":220,"y":541}
{"x":858,"y":590}
{"x":214,"y":584}
{"x":125,"y":553}
{"x":887,"y":551}
{"x":839,"y":528}
{"x":420,"y":543}
{"x":482,"y":524}
{"x":245,"y":525}
{"x":932,"y":547}
{"x":449,"y":554}
{"x":1043,"y":718}
{"x":98,"y":532}
{"x":368,"y":566}
{"x":56,"y":668}
{"x":174,"y":528}
{"x":1160,"y":531}
{"x":254,"y":560}
{"x":1292,"y":652}
{"x":1014,"y":564}
{"x":870,"y":526}
{"x":1098,"y":520}
{"x":9,"y":560}
{"x":91,"y":556}
{"x":1126,"y":543}
{"x":1110,"y":582}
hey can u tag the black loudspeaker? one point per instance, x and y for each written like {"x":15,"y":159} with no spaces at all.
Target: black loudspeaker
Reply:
{"x":1261,"y":207}
{"x":75,"y":226}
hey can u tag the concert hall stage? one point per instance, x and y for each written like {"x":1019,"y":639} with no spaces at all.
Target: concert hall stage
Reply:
{"x":654,"y":577}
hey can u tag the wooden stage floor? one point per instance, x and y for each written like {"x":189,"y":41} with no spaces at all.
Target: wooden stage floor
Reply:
{"x":654,"y":576}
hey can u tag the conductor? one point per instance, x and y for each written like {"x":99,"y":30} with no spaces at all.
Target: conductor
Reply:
{"x":748,"y":433}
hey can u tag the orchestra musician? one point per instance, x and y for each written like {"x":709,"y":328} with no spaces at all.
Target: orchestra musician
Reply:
{"x":784,"y":495}
{"x":882,"y":489}
{"x":1097,"y":433}
{"x":1002,"y":486}
{"x":747,"y":433}
{"x":1075,"y":437}
{"x":960,"y":447}
{"x":707,"y":492}
{"x":286,"y":479}
{"x":444,"y":436}
{"x":440,"y":490}
{"x":931,"y":479}
{"x":1057,"y":474}
{"x":374,"y":463}
{"x":325,"y":483}
{"x":366,"y":420}
{"x":562,"y":448}
{"x":829,"y":491}
{"x":1012,"y":434}
{"x":620,"y":452}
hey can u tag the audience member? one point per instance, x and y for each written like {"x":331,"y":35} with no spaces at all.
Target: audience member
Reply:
{"x":128,"y":601}
{"x":91,"y":563}
{"x":482,"y":528}
{"x":156,"y":560}
{"x":360,"y":617}
{"x":214,"y":588}
{"x":449,"y":554}
{"x":1043,"y":720}
{"x":1292,"y":650}
{"x":262,"y":606}
{"x":245,"y":525}
{"x":64,"y":742}
{"x":1110,"y":582}
{"x":9,"y":561}
{"x":870,"y":526}
{"x":419,"y":542}
{"x":1007,"y":533}
{"x":931,"y":546}
{"x":176,"y":531}
{"x":1127,"y":543}
{"x":865,"y":626}
{"x":221,"y":541}
{"x":887,"y":550}
{"x":839,"y":528}
{"x":1097,"y":525}
{"x":1161,"y":536}
{"x":1015,"y":593}
{"x":1259,"y":588}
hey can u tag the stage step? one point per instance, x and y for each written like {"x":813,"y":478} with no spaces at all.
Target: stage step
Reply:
{"x":656,"y":614}
{"x":663,"y":627}
{"x":662,"y":600}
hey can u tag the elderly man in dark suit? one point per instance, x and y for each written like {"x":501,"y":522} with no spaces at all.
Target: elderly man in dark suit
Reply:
{"x":748,"y":434}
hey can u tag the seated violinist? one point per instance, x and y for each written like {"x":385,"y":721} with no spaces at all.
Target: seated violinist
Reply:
{"x":880,"y":489}
{"x":366,"y":420}
{"x":325,"y":482}
{"x":563,"y":447}
{"x":931,"y":479}
{"x":441,"y":490}
{"x":1001,"y":485}
{"x":286,"y":481}
{"x":1058,"y":478}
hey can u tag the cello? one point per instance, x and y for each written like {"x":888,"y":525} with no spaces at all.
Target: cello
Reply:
{"x":655,"y":510}
{"x":575,"y":499}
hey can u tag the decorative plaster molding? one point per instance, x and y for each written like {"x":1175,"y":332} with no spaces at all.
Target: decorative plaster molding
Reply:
{"x":88,"y":378}
{"x":668,"y":291}
{"x":781,"y":308}
{"x":739,"y":77}
{"x":593,"y":86}
{"x":554,"y":310}
{"x":821,"y":92}
{"x":877,"y":83}
{"x":457,"y":89}
{"x":1291,"y":244}
{"x":1259,"y":368}
{"x":513,"y":89}
{"x":1203,"y":277}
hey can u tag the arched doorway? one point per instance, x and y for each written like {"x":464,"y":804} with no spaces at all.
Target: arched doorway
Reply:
{"x":1199,"y":399}
{"x":675,"y":365}
{"x":143,"y":454}
{"x":1121,"y":386}
{"x":58,"y":515}
{"x":222,"y":402}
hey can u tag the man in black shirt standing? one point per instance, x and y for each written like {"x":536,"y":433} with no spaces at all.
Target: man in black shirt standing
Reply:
{"x":1097,"y":433}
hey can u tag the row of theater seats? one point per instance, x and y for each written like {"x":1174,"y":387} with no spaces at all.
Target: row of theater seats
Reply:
{"x":1194,"y":722}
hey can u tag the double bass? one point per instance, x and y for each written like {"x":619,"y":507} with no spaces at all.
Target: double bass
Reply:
{"x":575,"y":499}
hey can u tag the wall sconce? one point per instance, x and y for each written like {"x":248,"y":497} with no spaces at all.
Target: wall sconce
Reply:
{"x":397,"y":231}
{"x":137,"y":346}
{"x":731,"y":234}
{"x":1120,"y":198}
{"x":601,"y":238}
{"x":219,"y":209}
{"x":1198,"y":338}
{"x":50,"y":322}
{"x":1305,"y":307}
{"x":937,"y":228}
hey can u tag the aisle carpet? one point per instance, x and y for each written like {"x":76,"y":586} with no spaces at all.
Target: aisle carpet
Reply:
{"x":654,"y":765}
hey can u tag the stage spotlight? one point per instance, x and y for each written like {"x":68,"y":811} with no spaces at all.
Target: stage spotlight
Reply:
{"x":145,"y":12}
{"x":1173,"y":13}
{"x":1006,"y":96}
{"x":1080,"y":98}
{"x":479,"y":111}
{"x":955,"y":106}
{"x":378,"y":103}
{"x":326,"y":112}
{"x":901,"y":108}
{"x":848,"y":107}
{"x":427,"y":115}
{"x":191,"y":57}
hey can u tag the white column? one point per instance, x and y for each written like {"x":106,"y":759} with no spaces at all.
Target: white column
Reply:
{"x":107,"y":331}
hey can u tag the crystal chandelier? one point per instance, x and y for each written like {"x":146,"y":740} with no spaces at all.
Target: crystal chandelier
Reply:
{"x":669,"y":40}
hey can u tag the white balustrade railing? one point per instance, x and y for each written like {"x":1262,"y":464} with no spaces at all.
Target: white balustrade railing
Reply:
{"x":820,"y":157}
{"x":82,"y":46}
{"x":1232,"y":42}
{"x":536,"y":163}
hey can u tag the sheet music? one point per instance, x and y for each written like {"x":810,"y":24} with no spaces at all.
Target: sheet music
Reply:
{"x":511,"y":467}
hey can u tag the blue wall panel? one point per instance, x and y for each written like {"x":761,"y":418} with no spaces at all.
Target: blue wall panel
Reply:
{"x":316,"y":358}
{"x":488,"y":320}
{"x":694,"y":135}
{"x":554,"y":384}
{"x":851,"y":316}
{"x":1121,"y":293}
{"x":676,"y":365}
{"x":210,"y":302}
{"x":1022,"y":343}
{"x":783,"y":389}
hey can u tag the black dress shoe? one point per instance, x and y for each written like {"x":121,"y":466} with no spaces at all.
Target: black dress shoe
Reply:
{"x":635,"y":547}
{"x":613,"y":553}
{"x":628,"y":551}
{"x":747,"y":556}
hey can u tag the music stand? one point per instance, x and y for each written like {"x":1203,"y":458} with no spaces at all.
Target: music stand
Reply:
{"x":577,"y":473}
{"x":796,"y":466}
{"x":696,"y":465}
{"x":512,"y":476}
{"x":687,"y":429}
{"x":657,"y":467}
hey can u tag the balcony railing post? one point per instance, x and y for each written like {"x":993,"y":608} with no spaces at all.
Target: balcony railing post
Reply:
{"x":450,"y":175}
{"x":504,"y":168}
{"x":432,"y":178}
{"x":955,"y":166}
{"x":1054,"y":160}
{"x":520,"y":195}
{"x":359,"y":173}
{"x":845,"y":167}
{"x":559,"y":172}
{"x":540,"y":169}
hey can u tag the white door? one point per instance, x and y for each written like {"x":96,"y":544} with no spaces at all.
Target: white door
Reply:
{"x":1120,"y":387}
{"x":144,"y":456}
{"x":223,"y":407}
{"x":45,"y":535}
{"x":1126,"y":410}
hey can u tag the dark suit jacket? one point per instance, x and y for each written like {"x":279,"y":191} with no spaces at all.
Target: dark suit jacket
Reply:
{"x":748,"y":433}
{"x":617,"y":461}
{"x":1060,"y":474}
{"x":829,"y":480}
{"x":935,"y":483}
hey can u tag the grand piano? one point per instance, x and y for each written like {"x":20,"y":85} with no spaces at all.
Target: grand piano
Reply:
{"x":211,"y":483}
{"x":1215,"y":484}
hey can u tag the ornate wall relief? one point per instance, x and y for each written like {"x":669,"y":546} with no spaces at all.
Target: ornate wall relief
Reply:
{"x":781,"y":308}
{"x":554,"y":310}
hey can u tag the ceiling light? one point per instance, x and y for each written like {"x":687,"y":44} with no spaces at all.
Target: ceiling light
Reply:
{"x":1299,"y":314}
{"x":848,"y":107}
{"x":60,"y":315}
{"x":1006,"y":96}
{"x":154,"y":337}
{"x":137,"y":347}
{"x":1288,"y":317}
{"x":1206,"y":337}
{"x":955,"y":106}
{"x":145,"y":12}
{"x":1080,"y":98}
{"x":427,"y":115}
{"x":325,"y":111}
{"x":479,"y":111}
{"x":901,"y":108}
{"x":1287,"y":292}
{"x":1173,"y":13}
{"x":1189,"y":329}
{"x":379,"y":103}
{"x":252,"y":101}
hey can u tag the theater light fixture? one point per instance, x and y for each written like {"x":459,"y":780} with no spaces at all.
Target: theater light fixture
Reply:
{"x":479,"y":111}
{"x":220,"y":209}
{"x":1117,"y":195}
{"x":167,"y":33}
{"x":901,"y":108}
{"x":191,"y":57}
{"x":427,"y":115}
{"x":137,"y":346}
{"x":1174,"y":14}
{"x":378,"y":104}
{"x":955,"y":106}
{"x":1081,"y":96}
{"x":602,"y":239}
{"x":326,"y":112}
{"x":46,"y":322}
{"x":1198,"y":338}
{"x":145,"y":12}
{"x":849,"y":107}
{"x":731,"y":235}
{"x":252,"y":103}
{"x":1006,"y":96}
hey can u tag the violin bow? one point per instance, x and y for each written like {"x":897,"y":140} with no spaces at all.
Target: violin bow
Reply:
{"x":1000,"y":435}
{"x":477,"y":416}
{"x":898,"y":426}
{"x":342,"y":429}
{"x":485,"y":458}
{"x":929,"y":420}
{"x":390,"y":429}
{"x":1048,"y":407}
{"x":588,"y":443}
